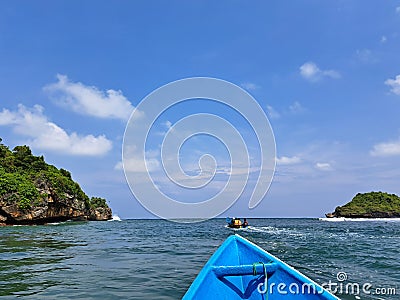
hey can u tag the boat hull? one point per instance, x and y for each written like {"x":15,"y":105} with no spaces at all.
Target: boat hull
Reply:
{"x":237,"y":226}
{"x":237,"y":271}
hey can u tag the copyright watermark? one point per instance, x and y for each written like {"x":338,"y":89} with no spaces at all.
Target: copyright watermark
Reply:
{"x":342,"y":286}
{"x":153,"y":160}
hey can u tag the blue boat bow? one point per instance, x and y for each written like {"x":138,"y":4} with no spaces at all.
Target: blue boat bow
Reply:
{"x":240,"y":269}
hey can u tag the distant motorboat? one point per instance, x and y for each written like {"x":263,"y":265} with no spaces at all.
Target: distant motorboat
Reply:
{"x":236,"y":223}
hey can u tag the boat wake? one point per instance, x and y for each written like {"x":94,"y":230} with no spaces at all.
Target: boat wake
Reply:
{"x":277,"y":231}
{"x":360,"y":219}
{"x":257,"y":229}
{"x":271,"y":230}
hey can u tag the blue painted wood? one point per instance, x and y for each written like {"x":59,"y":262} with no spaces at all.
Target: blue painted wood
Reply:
{"x":241,"y":270}
{"x":229,"y":274}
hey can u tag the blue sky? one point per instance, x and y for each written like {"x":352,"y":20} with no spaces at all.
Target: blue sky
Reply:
{"x":327,"y":74}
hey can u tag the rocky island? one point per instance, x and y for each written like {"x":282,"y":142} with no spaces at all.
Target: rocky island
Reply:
{"x":34,"y":192}
{"x":369,"y":205}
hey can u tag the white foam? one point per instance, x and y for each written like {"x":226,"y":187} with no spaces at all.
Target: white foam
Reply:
{"x":277,"y":231}
{"x":342,"y":219}
{"x":115,"y":218}
{"x":267,"y":229}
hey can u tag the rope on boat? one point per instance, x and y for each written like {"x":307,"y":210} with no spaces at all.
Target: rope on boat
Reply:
{"x":254,"y":269}
{"x":265,"y":277}
{"x":266,"y":281}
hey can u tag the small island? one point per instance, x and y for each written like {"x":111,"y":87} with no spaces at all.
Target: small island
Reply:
{"x":33,"y":192}
{"x":369,"y":205}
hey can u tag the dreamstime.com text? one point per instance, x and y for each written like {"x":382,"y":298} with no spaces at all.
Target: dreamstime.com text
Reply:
{"x":341,"y":287}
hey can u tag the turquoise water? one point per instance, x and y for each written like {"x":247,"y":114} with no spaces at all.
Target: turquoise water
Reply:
{"x":156,"y":259}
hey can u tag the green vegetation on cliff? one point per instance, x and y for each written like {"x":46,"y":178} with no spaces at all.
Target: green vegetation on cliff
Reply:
{"x":371,"y":205}
{"x":96,"y":202}
{"x":21,"y":189}
{"x":26,"y":179}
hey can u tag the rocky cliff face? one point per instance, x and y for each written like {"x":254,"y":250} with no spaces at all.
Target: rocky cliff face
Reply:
{"x":369,"y":205}
{"x":370,"y":215}
{"x":49,"y":208}
{"x":34,"y":192}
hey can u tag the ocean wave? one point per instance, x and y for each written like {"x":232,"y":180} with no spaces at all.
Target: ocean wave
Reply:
{"x":277,"y":231}
{"x":115,"y":218}
{"x":342,"y":219}
{"x":54,"y":223}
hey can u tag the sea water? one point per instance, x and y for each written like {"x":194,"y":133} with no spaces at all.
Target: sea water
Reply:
{"x":157,"y":259}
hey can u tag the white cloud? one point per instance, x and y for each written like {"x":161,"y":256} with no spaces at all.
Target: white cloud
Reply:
{"x":7,"y":117}
{"x":135,"y":163}
{"x":167,"y":124}
{"x":89,"y":100}
{"x":311,"y":72}
{"x":169,"y":127}
{"x":323,"y":166}
{"x":296,"y":108}
{"x":284,"y":160}
{"x":250,"y":86}
{"x":366,"y":55}
{"x":272,"y":113}
{"x":386,"y":149}
{"x":394,"y":84}
{"x":383,"y":39}
{"x":119,"y":166}
{"x":398,"y":10}
{"x":47,"y":135}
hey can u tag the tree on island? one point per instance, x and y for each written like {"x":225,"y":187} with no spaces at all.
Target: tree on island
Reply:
{"x":370,"y":205}
{"x":32,"y":191}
